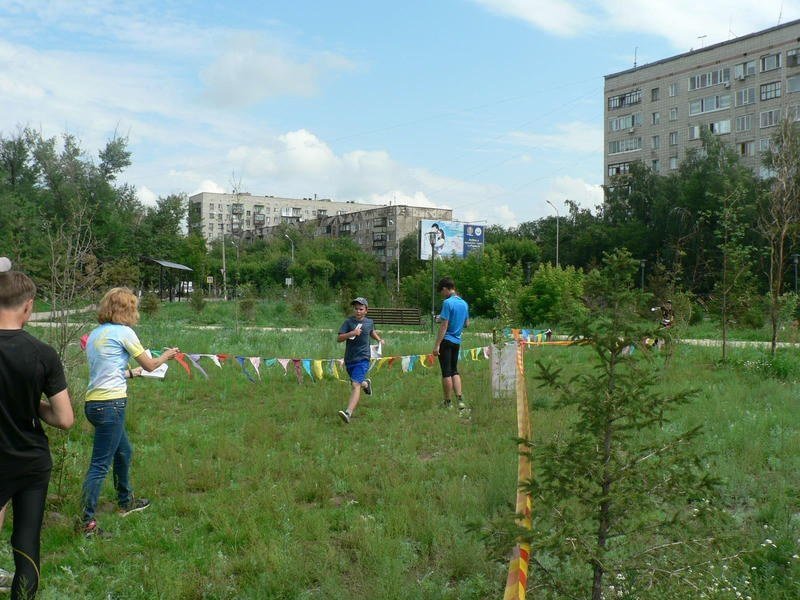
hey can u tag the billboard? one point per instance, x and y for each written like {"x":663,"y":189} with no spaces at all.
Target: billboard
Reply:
{"x":451,"y":238}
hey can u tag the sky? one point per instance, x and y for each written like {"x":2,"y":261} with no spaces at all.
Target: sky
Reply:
{"x":493,"y":108}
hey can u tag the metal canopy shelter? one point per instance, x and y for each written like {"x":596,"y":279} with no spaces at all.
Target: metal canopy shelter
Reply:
{"x":165,"y":264}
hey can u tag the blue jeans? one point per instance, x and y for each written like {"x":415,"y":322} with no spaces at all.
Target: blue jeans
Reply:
{"x":111,"y":446}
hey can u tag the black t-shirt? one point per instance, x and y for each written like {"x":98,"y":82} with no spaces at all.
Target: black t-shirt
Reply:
{"x":28,"y":369}
{"x":357,"y":349}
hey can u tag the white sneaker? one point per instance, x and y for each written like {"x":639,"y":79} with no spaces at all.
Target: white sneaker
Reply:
{"x":6,"y":579}
{"x":345,"y":416}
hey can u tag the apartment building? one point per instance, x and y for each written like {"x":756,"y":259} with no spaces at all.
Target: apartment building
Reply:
{"x":738,"y":90}
{"x":245,"y":215}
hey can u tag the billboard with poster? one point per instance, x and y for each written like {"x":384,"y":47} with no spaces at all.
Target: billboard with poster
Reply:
{"x":451,"y":238}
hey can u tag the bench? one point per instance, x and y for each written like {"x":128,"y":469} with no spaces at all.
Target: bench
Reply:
{"x":396,"y":316}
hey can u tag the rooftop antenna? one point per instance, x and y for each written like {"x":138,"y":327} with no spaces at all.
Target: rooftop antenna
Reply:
{"x":702,"y":39}
{"x":780,"y":14}
{"x":731,"y":34}
{"x":635,"y":51}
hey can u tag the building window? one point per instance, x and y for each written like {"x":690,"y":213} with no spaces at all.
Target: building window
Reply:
{"x":656,"y":165}
{"x":746,"y":96}
{"x":618,"y":169}
{"x":763,"y":144}
{"x":793,"y":84}
{"x":770,"y":90}
{"x":694,"y":132}
{"x":655,"y":142}
{"x":655,"y":118}
{"x":673,"y":113}
{"x":770,"y":62}
{"x":379,"y":222}
{"x":793,"y":112}
{"x":709,"y":104}
{"x":623,"y":100}
{"x":744,"y":69}
{"x":673,"y":162}
{"x":720,"y":127}
{"x":747,"y":148}
{"x":793,"y":57}
{"x":673,"y":90}
{"x":627,"y":145}
{"x":673,"y":138}
{"x":625,"y":122}
{"x":704,"y":80}
{"x":744,"y":123}
{"x":770,"y":118}
{"x":654,"y":94}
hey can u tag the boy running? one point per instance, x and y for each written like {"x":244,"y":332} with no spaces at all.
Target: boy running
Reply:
{"x":356,"y":331}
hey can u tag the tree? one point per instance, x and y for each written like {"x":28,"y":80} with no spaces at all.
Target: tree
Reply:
{"x":619,"y":500}
{"x":780,"y":213}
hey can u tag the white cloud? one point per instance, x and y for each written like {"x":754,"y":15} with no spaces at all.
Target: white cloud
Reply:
{"x":681,"y":22}
{"x":499,"y":215}
{"x":559,"y":17}
{"x":209,"y":186}
{"x":247,"y":72}
{"x":587,"y":195}
{"x":568,"y":137}
{"x":146,"y":196}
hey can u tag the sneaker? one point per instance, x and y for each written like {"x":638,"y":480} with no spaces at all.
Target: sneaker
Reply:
{"x":447,"y":403}
{"x":6,"y":579}
{"x":345,"y":416}
{"x":368,"y":387}
{"x":92,"y":530}
{"x":134,"y":505}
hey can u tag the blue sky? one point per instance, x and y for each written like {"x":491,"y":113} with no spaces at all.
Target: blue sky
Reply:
{"x":488,"y":107}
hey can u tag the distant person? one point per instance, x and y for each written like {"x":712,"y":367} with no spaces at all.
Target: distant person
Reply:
{"x":667,"y":314}
{"x":453,"y":319}
{"x":108,"y":350}
{"x":28,"y":369}
{"x":356,"y":332}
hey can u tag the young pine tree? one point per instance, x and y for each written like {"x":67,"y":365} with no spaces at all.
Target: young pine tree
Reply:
{"x":618,"y":503}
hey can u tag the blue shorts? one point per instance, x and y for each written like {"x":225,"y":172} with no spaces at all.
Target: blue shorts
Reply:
{"x":357,"y":370}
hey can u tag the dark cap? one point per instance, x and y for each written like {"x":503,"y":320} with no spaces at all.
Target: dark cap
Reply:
{"x":360,"y":300}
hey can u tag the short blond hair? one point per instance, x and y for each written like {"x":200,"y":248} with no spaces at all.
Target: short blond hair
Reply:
{"x":118,"y":306}
{"x":16,"y":289}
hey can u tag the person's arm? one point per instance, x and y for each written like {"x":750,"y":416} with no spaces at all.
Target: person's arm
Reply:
{"x":440,"y":336}
{"x":374,"y":335}
{"x":57,"y":410}
{"x":149,"y":363}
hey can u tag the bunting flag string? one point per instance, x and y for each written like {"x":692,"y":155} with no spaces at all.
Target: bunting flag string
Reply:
{"x":315,"y":369}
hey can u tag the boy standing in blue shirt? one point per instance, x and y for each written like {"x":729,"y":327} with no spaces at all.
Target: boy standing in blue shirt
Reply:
{"x":356,"y":331}
{"x":454,"y":318}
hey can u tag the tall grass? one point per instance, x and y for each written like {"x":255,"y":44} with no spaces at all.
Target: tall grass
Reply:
{"x":259,"y":491}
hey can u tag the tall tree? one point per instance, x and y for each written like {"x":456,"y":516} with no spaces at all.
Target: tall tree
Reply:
{"x":780,"y":212}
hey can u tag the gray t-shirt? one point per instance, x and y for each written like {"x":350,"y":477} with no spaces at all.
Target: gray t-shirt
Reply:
{"x":357,"y":349}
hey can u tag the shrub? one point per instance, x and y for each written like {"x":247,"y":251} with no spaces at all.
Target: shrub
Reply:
{"x":150,"y":304}
{"x":553,"y":296}
{"x":197,"y":301}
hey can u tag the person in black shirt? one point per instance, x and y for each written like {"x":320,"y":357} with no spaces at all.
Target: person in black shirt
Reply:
{"x":28,"y":369}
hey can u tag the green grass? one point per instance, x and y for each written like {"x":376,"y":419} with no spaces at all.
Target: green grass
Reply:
{"x":259,"y":491}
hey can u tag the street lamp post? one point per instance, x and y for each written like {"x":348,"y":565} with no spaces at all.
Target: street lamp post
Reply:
{"x":432,"y":240}
{"x":795,"y":259}
{"x":558,"y":217}
{"x":291,"y":241}
{"x":641,"y":264}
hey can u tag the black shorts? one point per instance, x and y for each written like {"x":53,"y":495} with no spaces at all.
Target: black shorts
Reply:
{"x":448,"y":358}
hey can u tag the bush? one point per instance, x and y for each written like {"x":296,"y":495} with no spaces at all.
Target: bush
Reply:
{"x":197,"y":301}
{"x":150,"y":304}
{"x":552,"y":297}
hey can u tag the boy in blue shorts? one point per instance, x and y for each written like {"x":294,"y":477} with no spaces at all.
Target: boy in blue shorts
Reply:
{"x":453,"y":318}
{"x":356,"y":331}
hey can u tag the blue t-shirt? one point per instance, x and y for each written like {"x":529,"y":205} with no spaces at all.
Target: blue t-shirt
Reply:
{"x":108,"y":349}
{"x":357,"y":349}
{"x":456,"y":312}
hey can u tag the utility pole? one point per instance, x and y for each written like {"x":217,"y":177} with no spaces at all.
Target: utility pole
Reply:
{"x":558,"y":217}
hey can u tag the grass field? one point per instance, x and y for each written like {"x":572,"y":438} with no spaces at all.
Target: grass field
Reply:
{"x":259,"y":491}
